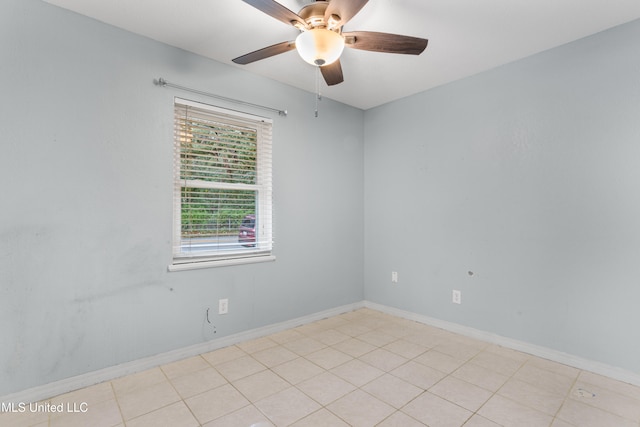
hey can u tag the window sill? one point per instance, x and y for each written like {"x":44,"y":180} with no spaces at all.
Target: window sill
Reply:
{"x":195,"y":265}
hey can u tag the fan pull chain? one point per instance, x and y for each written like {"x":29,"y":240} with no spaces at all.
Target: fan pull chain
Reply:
{"x":318,"y":96}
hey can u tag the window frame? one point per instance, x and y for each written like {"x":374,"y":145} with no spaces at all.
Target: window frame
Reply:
{"x":263,"y":250}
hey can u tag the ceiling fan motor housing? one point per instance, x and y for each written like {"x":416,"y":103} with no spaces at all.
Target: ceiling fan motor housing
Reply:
{"x":313,"y":14}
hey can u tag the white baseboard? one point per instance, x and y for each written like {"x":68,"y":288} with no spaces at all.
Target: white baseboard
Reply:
{"x":85,"y":380}
{"x":544,"y":352}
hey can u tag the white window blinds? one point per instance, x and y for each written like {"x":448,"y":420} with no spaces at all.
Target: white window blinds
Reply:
{"x":223,"y":185}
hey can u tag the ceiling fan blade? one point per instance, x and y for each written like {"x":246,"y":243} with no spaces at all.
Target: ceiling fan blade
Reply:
{"x":385,"y":42}
{"x":265,"y":52}
{"x":276,"y":10}
{"x":332,"y":73}
{"x":345,"y":9}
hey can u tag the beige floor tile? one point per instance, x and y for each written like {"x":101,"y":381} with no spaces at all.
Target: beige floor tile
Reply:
{"x":377,"y":338}
{"x":405,"y":348}
{"x":508,"y":353}
{"x":357,"y":314}
{"x":138,"y":380}
{"x":90,"y":395}
{"x":286,"y":336}
{"x":440,"y":361}
{"x":382,"y":359}
{"x":197,"y":382}
{"x":555,"y":367}
{"x":144,"y":400}
{"x":335,"y":321}
{"x":321,"y":418}
{"x":353,"y":329}
{"x":304,"y":346}
{"x":22,"y":419}
{"x":247,"y":416}
{"x":360,"y":409}
{"x":461,"y":393}
{"x":288,"y":406}
{"x":508,"y":413}
{"x":583,"y":415}
{"x":532,"y":396}
{"x":497,"y":363}
{"x":298,"y":370}
{"x":239,"y":368}
{"x":274,"y":356}
{"x":175,"y":415}
{"x":325,"y":388}
{"x":396,"y":329}
{"x":357,"y":372}
{"x":452,"y":336}
{"x":366,"y":312}
{"x":374,"y":320}
{"x":470,"y":342}
{"x":257,"y":344}
{"x":610,"y":401}
{"x":459,"y":350}
{"x":436,"y":412}
{"x":418,"y":374}
{"x":101,"y":414}
{"x":330,"y":336}
{"x":610,"y":384}
{"x":312,"y":328}
{"x":559,"y":423}
{"x":400,"y":419}
{"x":413,"y":325}
{"x":328,"y":358}
{"x":427,"y":337}
{"x":354,"y":347}
{"x":223,"y":355}
{"x":185,"y":366}
{"x":216,"y":403}
{"x":260,"y":385}
{"x":478,"y":421}
{"x":545,"y":380}
{"x":410,"y":325}
{"x":480,"y":376}
{"x":392,"y":390}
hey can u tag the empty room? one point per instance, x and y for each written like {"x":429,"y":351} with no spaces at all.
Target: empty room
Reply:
{"x":330,"y":213}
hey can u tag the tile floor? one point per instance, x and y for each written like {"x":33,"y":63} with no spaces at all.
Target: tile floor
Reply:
{"x":362,"y":368}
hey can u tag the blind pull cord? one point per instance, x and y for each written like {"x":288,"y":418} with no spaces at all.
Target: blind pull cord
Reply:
{"x":318,"y":95}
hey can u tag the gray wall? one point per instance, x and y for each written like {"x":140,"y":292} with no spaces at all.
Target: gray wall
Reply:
{"x":527,"y":176}
{"x":86,"y":218}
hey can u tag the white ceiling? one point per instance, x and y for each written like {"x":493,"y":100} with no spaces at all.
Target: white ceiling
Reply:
{"x":465,"y":37}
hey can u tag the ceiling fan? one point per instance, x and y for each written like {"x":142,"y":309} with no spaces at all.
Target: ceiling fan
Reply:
{"x":322,"y":40}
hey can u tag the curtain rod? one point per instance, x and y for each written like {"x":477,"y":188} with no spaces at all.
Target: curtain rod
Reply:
{"x":162,"y":82}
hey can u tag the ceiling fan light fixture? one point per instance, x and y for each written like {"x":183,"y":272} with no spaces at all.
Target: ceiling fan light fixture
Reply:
{"x":320,"y":46}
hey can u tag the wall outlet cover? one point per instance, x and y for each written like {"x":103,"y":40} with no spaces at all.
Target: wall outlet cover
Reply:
{"x":456,"y":297}
{"x":223,"y":306}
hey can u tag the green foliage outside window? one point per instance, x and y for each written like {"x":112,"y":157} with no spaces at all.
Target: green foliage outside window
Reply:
{"x":216,"y":153}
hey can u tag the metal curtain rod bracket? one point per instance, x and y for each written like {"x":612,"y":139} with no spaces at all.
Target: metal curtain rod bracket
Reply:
{"x":162,"y":82}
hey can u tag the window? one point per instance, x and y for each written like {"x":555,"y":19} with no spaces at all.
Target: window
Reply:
{"x":222,"y":192}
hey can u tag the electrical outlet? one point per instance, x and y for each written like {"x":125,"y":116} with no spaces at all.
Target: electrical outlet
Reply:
{"x":456,"y":297}
{"x":394,"y":277}
{"x":223,"y":306}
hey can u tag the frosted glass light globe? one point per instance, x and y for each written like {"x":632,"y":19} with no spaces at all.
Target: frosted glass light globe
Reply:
{"x":320,"y":46}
